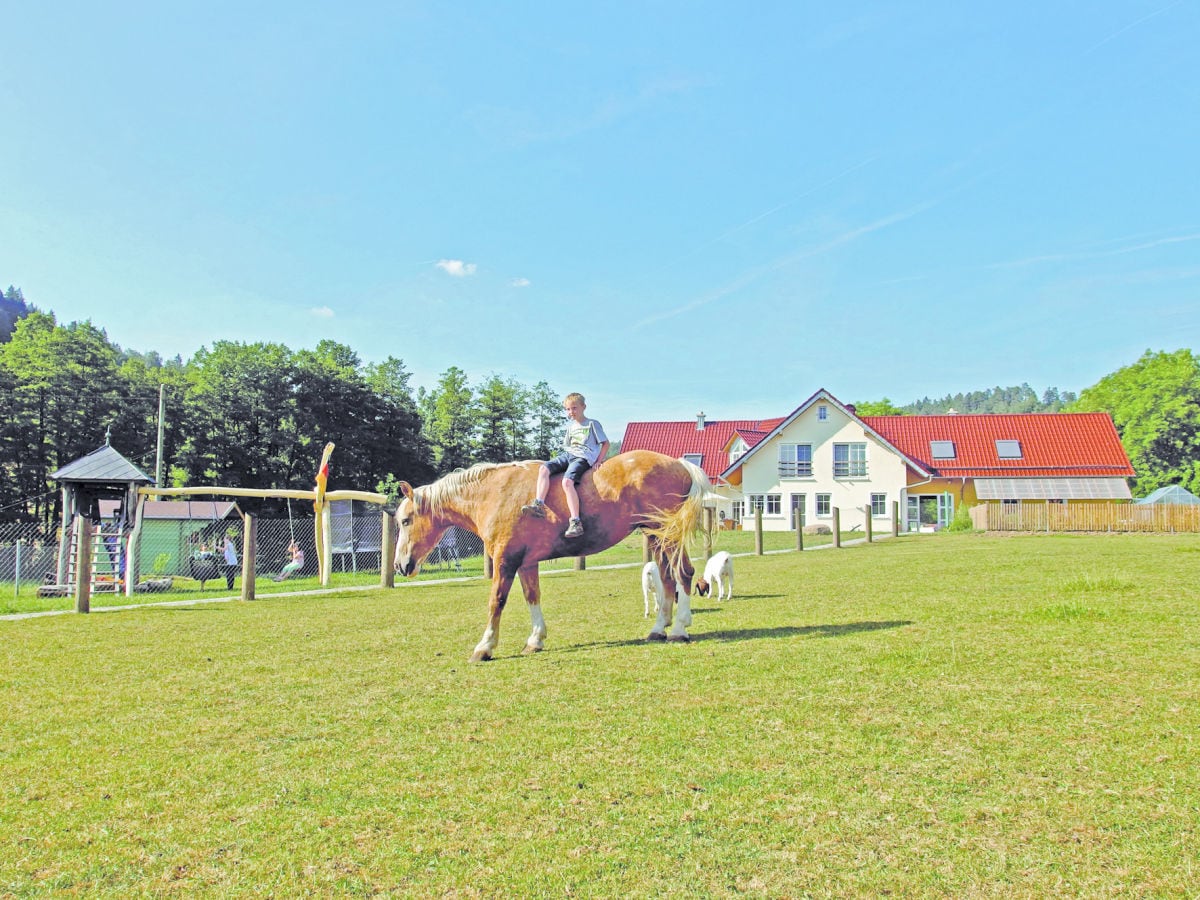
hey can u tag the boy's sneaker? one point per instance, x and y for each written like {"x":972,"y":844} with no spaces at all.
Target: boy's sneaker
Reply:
{"x":575,"y":529}
{"x":536,"y":509}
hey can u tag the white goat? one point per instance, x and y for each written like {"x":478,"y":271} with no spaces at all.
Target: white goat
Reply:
{"x":651,"y":586}
{"x":719,"y":571}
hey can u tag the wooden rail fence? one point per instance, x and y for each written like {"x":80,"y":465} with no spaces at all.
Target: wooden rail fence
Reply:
{"x":1027,"y":516}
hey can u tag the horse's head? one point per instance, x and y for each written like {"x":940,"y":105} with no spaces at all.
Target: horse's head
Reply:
{"x":416,"y":533}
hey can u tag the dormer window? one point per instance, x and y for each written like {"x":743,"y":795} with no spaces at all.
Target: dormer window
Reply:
{"x":695,"y":459}
{"x":737,"y":451}
{"x":1008,"y":449}
{"x":942,"y":450}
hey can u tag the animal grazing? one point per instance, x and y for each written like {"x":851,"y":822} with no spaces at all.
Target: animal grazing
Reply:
{"x":641,"y":489}
{"x":719,"y":571}
{"x":652,"y":586}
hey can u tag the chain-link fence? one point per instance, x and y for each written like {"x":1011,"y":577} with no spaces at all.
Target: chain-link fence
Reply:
{"x":183,"y":551}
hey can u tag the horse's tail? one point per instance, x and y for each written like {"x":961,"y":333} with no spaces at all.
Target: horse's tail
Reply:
{"x":676,"y":527}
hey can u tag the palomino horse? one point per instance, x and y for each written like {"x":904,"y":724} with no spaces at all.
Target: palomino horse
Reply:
{"x":636,"y":489}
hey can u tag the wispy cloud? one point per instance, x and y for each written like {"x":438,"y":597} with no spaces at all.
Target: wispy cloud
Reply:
{"x":1135,"y":247}
{"x":456,"y":268}
{"x":806,"y":252}
{"x":520,"y":283}
{"x":520,"y":127}
{"x":322,"y":312}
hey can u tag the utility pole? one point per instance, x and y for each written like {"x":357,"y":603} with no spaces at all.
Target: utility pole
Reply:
{"x":158,"y":464}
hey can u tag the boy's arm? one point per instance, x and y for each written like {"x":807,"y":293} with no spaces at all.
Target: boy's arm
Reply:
{"x":603,"y":453}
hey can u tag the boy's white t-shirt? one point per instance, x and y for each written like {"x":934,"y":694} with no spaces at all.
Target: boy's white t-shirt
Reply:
{"x":584,"y":439}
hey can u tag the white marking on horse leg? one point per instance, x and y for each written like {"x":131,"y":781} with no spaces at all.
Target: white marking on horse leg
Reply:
{"x":661,"y":621}
{"x":683,"y":614}
{"x":537,"y":638}
{"x":487,"y":645}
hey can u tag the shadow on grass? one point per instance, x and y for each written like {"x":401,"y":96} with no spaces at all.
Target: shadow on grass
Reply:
{"x":750,"y":634}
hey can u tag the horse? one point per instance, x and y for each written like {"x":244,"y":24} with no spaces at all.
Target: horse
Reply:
{"x":639,"y":489}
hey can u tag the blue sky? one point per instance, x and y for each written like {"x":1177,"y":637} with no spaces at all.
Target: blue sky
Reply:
{"x":670,"y":207}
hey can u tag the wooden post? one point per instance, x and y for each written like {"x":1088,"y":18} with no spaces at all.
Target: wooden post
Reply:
{"x":132,"y":569}
{"x":68,"y":535}
{"x":837,"y":527}
{"x":249,"y":553}
{"x":709,"y":514}
{"x":387,"y":552}
{"x":799,"y":529}
{"x":758,"y":535}
{"x":895,"y":518}
{"x":580,"y":563}
{"x":489,"y":569}
{"x":83,"y":565}
{"x":326,"y":548}
{"x":867,"y":508}
{"x":645,"y":548}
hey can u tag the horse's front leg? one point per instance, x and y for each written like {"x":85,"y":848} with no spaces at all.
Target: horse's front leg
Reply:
{"x":533,"y":599}
{"x":502,"y":579}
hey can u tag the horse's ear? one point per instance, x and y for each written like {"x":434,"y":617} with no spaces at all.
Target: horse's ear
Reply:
{"x":406,"y":490}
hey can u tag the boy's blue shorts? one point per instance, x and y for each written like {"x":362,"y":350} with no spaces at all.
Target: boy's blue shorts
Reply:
{"x":574,"y":466}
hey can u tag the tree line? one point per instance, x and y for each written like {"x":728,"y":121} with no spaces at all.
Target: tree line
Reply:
{"x":244,"y":415}
{"x":257,"y":414}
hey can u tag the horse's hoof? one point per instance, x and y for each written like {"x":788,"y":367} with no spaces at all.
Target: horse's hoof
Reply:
{"x":530,"y":650}
{"x":481,"y":657}
{"x":656,"y":636}
{"x":679,"y":639}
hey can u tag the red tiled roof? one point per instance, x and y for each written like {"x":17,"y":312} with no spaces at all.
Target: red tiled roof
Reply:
{"x":678,"y":438}
{"x":1052,"y":444}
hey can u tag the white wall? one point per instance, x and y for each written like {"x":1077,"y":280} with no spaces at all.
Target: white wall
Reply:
{"x":886,"y":473}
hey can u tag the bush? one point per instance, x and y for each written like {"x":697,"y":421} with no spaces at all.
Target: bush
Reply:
{"x":962,"y":520}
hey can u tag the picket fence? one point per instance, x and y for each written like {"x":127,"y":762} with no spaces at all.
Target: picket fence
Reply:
{"x":1054,"y":517}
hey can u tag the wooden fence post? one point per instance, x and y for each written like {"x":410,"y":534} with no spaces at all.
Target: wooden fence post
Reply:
{"x":387,"y":559}
{"x":249,"y":554}
{"x":709,"y":514}
{"x":837,"y":527}
{"x":799,"y":528}
{"x":645,"y":548}
{"x":758,"y":534}
{"x":83,"y":565}
{"x":895,"y":518}
{"x":580,"y":563}
{"x":867,"y":508}
{"x":488,"y":568}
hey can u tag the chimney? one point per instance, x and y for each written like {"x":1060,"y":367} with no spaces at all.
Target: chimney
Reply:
{"x":700,"y":421}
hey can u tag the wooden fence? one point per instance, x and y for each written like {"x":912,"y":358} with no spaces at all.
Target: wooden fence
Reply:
{"x":1037,"y":516}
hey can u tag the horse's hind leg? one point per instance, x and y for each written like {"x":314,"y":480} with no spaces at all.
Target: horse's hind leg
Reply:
{"x":502,"y":579}
{"x":533,"y":594}
{"x":683,"y":596}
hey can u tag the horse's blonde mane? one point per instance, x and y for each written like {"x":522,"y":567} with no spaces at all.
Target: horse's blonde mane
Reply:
{"x":451,"y":486}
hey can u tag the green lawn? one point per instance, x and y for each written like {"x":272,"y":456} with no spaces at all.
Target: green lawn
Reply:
{"x":949,"y":716}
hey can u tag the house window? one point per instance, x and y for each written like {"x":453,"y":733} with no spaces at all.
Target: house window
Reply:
{"x":1008,"y":449}
{"x":849,"y":460}
{"x":1010,"y":504}
{"x":941,"y":449}
{"x":695,"y":459}
{"x":737,"y":451}
{"x":822,"y":413}
{"x":768,"y":504}
{"x":797,"y":504}
{"x":824,"y":504}
{"x":795,"y":460}
{"x":879,"y":504}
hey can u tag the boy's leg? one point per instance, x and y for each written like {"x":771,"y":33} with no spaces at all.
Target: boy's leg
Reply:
{"x":543,"y":482}
{"x":572,"y":496}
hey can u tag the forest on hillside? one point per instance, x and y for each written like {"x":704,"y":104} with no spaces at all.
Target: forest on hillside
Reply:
{"x":257,"y":414}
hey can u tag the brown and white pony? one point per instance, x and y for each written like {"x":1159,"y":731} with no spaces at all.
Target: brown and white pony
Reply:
{"x":662,"y":495}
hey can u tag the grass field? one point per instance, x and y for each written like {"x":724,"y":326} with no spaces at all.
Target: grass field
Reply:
{"x":949,"y":715}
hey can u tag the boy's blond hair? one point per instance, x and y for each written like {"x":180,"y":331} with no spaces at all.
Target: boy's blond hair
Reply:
{"x":574,"y":396}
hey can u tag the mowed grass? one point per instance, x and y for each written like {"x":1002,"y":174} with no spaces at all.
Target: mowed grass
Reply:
{"x":949,"y":715}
